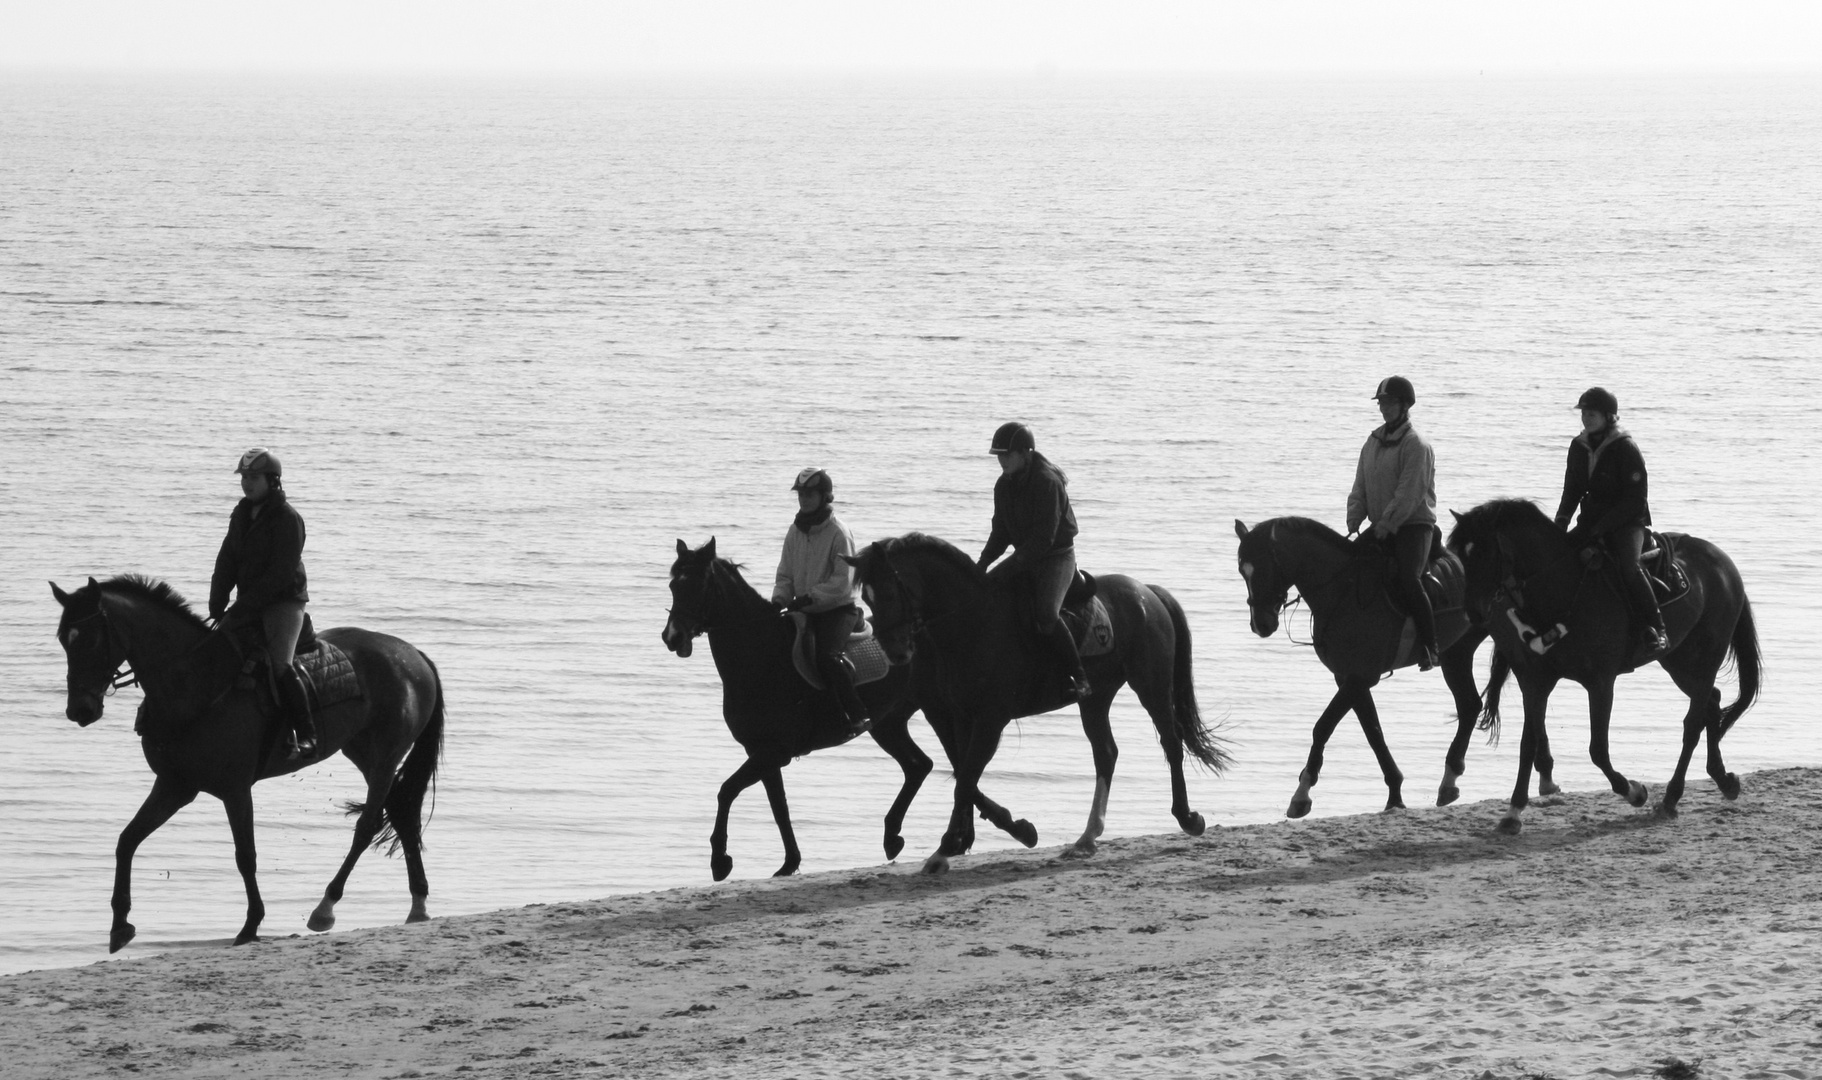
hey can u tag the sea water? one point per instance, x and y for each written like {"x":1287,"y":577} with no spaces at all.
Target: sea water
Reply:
{"x":514,"y":340}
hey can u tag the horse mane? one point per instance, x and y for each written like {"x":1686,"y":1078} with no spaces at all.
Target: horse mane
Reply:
{"x":157,"y":592}
{"x":913,"y":543}
{"x":1515,"y":511}
{"x":1316,"y":530}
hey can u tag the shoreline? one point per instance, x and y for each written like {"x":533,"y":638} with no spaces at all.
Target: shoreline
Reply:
{"x":1603,"y":940}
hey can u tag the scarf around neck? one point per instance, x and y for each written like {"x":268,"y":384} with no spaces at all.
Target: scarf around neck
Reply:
{"x":804,"y":522}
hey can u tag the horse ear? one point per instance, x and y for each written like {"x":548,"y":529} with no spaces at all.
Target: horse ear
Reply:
{"x":93,"y":584}
{"x":709,"y":548}
{"x":1240,"y":528}
{"x":62,"y":597}
{"x":851,"y":560}
{"x":1457,"y":516}
{"x":682,"y":548}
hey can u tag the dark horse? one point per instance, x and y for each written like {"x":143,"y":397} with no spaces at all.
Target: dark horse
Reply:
{"x":1357,"y":636}
{"x":978,"y":666}
{"x":1518,"y":558}
{"x":197,"y":738}
{"x":771,"y":711}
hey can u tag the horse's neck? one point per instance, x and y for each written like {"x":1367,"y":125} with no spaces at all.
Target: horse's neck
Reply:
{"x":1312,"y":565}
{"x":1535,"y":549}
{"x":157,"y":642}
{"x":747,"y":638}
{"x":969,"y":604}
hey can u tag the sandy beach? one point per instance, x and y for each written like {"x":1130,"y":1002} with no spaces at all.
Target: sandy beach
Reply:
{"x":1604,"y":941}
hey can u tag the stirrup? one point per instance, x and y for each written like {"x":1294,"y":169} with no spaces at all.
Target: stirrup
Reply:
{"x":1076,"y":688}
{"x":299,"y":748}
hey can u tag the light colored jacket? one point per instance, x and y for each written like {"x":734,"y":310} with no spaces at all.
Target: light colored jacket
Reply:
{"x":1395,"y":483}
{"x":809,"y":565}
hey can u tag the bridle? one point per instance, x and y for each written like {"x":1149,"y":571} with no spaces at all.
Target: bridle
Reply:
{"x":697,"y":624}
{"x":122,"y":675}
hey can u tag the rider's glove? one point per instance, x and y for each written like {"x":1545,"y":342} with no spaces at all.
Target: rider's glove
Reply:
{"x":798,"y":603}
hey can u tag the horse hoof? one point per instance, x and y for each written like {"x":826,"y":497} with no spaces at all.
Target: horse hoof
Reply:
{"x":1667,"y":809}
{"x":1081,"y":849}
{"x":936,"y":864}
{"x":1393,"y":807}
{"x":1024,"y":832}
{"x":721,"y":866}
{"x":1447,"y":795}
{"x":1299,"y":808}
{"x":1635,"y":793}
{"x":1548,"y":787}
{"x":321,"y":920}
{"x":419,"y":911}
{"x":246,"y":937}
{"x":120,"y":935}
{"x":894,"y":845}
{"x":1730,"y":787}
{"x":1193,"y":824}
{"x":1510,"y":826}
{"x":789,"y":868}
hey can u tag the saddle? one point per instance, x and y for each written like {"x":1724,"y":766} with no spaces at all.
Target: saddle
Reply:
{"x":327,"y":673}
{"x":1445,"y":582}
{"x":862,"y":649}
{"x":1669,"y":582}
{"x":1087,"y":617}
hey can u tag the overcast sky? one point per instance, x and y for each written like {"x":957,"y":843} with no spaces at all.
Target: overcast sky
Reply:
{"x":864,"y":35}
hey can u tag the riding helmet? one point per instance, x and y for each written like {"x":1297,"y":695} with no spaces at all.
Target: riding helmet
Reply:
{"x":1398,"y":388}
{"x":1011,"y":436}
{"x":1599,"y":399}
{"x":814,"y":479}
{"x":260,"y":460}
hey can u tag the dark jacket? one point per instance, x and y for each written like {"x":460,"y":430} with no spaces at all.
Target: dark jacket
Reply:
{"x":1608,"y":482}
{"x":1031,"y":513}
{"x":262,"y":558}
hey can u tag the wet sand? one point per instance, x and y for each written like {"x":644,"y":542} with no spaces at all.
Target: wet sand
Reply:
{"x":1603,"y":941}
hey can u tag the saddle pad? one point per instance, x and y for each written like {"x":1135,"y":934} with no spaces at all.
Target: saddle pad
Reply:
{"x":1668,"y":580}
{"x":328,"y":675}
{"x":863,"y":650}
{"x":1091,"y":626}
{"x":1446,"y":582}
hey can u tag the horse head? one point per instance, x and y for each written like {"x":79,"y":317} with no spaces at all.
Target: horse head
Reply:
{"x":1268,"y":587}
{"x":692,"y":597}
{"x":895,"y":603}
{"x":93,"y":652}
{"x":1488,"y":540}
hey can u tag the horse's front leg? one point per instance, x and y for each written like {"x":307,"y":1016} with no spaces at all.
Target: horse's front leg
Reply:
{"x":1537,"y":700}
{"x":1458,"y":673}
{"x":773,"y":780}
{"x":1106,"y":755}
{"x":1368,"y":714}
{"x":239,"y":804}
{"x":165,"y":799}
{"x":983,"y":740}
{"x":1319,"y":738}
{"x":892,"y":735}
{"x":1600,"y":717}
{"x":366,"y":827}
{"x":720,"y":865}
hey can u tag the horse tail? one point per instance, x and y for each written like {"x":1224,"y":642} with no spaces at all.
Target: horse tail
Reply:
{"x":1745,"y":646}
{"x":1201,"y":743}
{"x":1496,"y":682}
{"x":417,"y":775}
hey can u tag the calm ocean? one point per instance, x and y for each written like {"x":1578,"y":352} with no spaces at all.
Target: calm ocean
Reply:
{"x":513,"y":340}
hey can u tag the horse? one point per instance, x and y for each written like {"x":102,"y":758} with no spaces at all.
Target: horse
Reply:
{"x":1357,"y":637}
{"x":1516,"y":557}
{"x":201,"y":734}
{"x":770,"y":710}
{"x":976,"y":665}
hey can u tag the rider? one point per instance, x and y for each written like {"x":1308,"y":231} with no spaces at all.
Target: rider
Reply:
{"x":812,"y":579}
{"x":261,"y":561}
{"x":1031,"y":513}
{"x":1395,"y":488}
{"x":1606,"y":478}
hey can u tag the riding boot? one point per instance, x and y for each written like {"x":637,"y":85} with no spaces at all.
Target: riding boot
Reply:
{"x":838,"y":672}
{"x":296,"y":705}
{"x":1652,"y":639}
{"x":1076,"y":678}
{"x":1425,"y":618}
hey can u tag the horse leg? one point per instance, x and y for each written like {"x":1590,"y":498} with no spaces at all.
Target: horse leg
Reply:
{"x":1099,"y":730}
{"x":1545,"y":764}
{"x":1458,"y":673}
{"x":773,"y":780}
{"x":1704,"y":715}
{"x":1368,"y":715}
{"x":983,"y":740}
{"x":165,"y":799}
{"x":1325,"y":726}
{"x":720,"y":865}
{"x":1537,"y":700}
{"x":1600,"y":717}
{"x":892,"y":735}
{"x":366,"y":827}
{"x":239,"y":804}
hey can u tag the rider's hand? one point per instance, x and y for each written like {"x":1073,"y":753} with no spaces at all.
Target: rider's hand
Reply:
{"x":798,"y":603}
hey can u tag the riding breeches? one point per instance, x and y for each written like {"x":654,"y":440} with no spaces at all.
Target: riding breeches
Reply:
{"x":1413,"y":551}
{"x":1050,"y":579}
{"x":283,"y":622}
{"x":831,"y":629}
{"x":1625,"y":544}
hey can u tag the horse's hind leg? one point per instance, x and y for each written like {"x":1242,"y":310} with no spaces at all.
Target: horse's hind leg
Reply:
{"x":1099,"y":730}
{"x":1319,"y":738}
{"x":1704,"y":715}
{"x":720,"y":865}
{"x":1368,"y":714}
{"x":239,"y":804}
{"x":165,"y":799}
{"x":366,"y":827}
{"x":781,"y":813}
